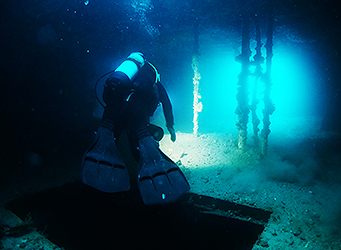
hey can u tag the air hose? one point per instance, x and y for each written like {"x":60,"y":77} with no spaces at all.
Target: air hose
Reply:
{"x":96,"y":85}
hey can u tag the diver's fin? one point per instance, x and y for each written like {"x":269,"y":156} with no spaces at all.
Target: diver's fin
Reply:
{"x":102,"y":164}
{"x":160,"y":180}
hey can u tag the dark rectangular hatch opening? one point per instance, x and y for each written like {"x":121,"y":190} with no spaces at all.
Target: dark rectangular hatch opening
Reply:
{"x":75,"y":216}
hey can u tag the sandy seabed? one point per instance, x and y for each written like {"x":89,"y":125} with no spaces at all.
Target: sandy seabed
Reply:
{"x":298,"y":181}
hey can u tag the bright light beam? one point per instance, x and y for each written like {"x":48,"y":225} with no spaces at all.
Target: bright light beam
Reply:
{"x":292,"y":89}
{"x":197,"y":105}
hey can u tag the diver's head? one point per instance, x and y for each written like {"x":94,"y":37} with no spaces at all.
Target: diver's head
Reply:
{"x":148,"y":74}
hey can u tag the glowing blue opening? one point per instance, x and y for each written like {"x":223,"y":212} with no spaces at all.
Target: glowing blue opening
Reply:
{"x":294,"y":91}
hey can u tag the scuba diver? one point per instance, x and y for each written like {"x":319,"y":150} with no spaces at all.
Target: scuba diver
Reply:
{"x":131,"y":94}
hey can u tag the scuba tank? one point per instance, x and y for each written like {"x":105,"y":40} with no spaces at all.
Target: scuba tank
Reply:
{"x":125,"y":73}
{"x":131,"y":65}
{"x":128,"y":69}
{"x":121,"y":79}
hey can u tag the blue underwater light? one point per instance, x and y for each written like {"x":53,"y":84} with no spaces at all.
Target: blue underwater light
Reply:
{"x":293,"y":89}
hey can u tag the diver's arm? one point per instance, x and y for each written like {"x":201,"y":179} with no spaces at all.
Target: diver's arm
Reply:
{"x":166,"y":105}
{"x":167,"y":110}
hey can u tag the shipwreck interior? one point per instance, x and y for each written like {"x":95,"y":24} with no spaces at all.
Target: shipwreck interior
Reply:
{"x":255,"y":89}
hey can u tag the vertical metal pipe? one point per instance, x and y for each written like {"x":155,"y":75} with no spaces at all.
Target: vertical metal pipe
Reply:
{"x":258,"y":59}
{"x":269,"y":107}
{"x":197,"y":105}
{"x":242,"y":95}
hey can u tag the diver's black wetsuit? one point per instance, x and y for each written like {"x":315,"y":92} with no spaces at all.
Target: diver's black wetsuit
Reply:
{"x":132,"y":93}
{"x":129,"y":106}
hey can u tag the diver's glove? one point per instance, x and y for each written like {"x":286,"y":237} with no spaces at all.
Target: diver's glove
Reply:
{"x":172,"y":133}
